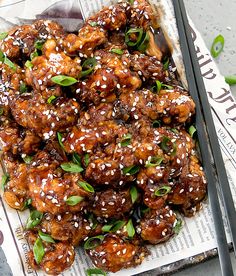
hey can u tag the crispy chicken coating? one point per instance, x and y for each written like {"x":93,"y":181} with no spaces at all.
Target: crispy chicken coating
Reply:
{"x":112,"y":204}
{"x":115,"y":253}
{"x":157,"y":225}
{"x":21,"y":39}
{"x":52,"y":63}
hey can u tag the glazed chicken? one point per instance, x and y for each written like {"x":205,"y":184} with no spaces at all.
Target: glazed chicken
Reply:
{"x":95,"y":142}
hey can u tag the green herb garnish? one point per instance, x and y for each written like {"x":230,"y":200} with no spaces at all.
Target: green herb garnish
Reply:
{"x":231,"y":80}
{"x":126,"y":140}
{"x":29,"y":64}
{"x":178,"y":226}
{"x":51,"y":99}
{"x":93,"y":23}
{"x":131,"y":170}
{"x":133,"y":194}
{"x":9,"y":63}
{"x":39,"y":44}
{"x":154,"y":162}
{"x":93,"y":242}
{"x":63,"y":80}
{"x":59,"y":138}
{"x":38,"y":251}
{"x":88,"y":66}
{"x":86,"y":186}
{"x":130,"y":228}
{"x":71,"y":167}
{"x":5,"y":179}
{"x":23,"y":88}
{"x":95,"y":272}
{"x":192,"y":130}
{"x":74,"y":200}
{"x":76,"y":158}
{"x":217,"y":46}
{"x":46,"y":237}
{"x":117,"y":51}
{"x":3,"y":35}
{"x":156,"y":124}
{"x":161,"y":191}
{"x":27,"y":159}
{"x":86,"y":159}
{"x":114,"y":226}
{"x":34,"y":219}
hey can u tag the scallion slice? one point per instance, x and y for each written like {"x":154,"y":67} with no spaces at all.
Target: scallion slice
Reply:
{"x":130,"y":228}
{"x":154,"y":162}
{"x":23,"y":88}
{"x":117,"y":51}
{"x":95,"y":272}
{"x":161,"y":191}
{"x":93,"y":242}
{"x":131,"y":170}
{"x":76,"y":158}
{"x":59,"y":138}
{"x":46,"y":237}
{"x":34,"y":219}
{"x":142,"y":47}
{"x":51,"y":99}
{"x":192,"y":130}
{"x":5,"y":179}
{"x":126,"y":140}
{"x":33,"y":55}
{"x":63,"y":80}
{"x":86,"y":159}
{"x":3,"y":35}
{"x":9,"y":63}
{"x":156,"y":124}
{"x":74,"y":200}
{"x":178,"y":226}
{"x":114,"y":226}
{"x":231,"y":80}
{"x":130,"y":32}
{"x":93,"y":23}
{"x":133,"y":194}
{"x":38,"y":251}
{"x":71,"y":167}
{"x":88,"y":67}
{"x":28,"y":64}
{"x":39,"y":44}
{"x":217,"y":46}
{"x":27,"y":159}
{"x":86,"y":186}
{"x":166,"y":63}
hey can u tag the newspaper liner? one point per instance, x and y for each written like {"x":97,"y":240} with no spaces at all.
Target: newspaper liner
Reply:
{"x":197,"y":235}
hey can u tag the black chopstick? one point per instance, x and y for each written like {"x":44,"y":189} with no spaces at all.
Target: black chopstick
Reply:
{"x":219,"y":163}
{"x":223,"y":251}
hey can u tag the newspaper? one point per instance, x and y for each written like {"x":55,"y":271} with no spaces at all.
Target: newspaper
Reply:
{"x":197,"y":235}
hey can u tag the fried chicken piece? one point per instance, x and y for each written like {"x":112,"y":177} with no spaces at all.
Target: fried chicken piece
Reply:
{"x":140,"y":14}
{"x":85,"y":42}
{"x":57,"y":257}
{"x":85,"y":138}
{"x":112,"y":76}
{"x":53,"y":190}
{"x":52,"y":63}
{"x":16,"y":189}
{"x":21,"y":39}
{"x":157,"y":225}
{"x":110,"y":18}
{"x":114,"y":253}
{"x":179,"y":106}
{"x":34,"y":113}
{"x":112,"y":204}
{"x":190,"y":188}
{"x":67,"y":227}
{"x":148,"y":67}
{"x":16,"y":140}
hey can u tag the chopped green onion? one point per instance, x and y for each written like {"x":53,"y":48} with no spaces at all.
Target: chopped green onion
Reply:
{"x":130,"y":228}
{"x":86,"y":159}
{"x":27,"y":203}
{"x":39,"y":44}
{"x":192,"y":130}
{"x":63,"y":80}
{"x":71,"y":167}
{"x":95,"y":272}
{"x":156,"y":124}
{"x":131,"y":2}
{"x":23,"y":88}
{"x":9,"y":63}
{"x":27,"y":159}
{"x":88,"y":66}
{"x":59,"y":138}
{"x":76,"y":158}
{"x":159,"y":85}
{"x":51,"y":99}
{"x":74,"y":200}
{"x":5,"y":179}
{"x":138,"y":31}
{"x":38,"y":251}
{"x":133,"y":194}
{"x":142,"y":47}
{"x":86,"y":186}
{"x":93,"y":23}
{"x":154,"y":162}
{"x":1,"y":56}
{"x":1,"y":110}
{"x":46,"y":237}
{"x":166,"y":63}
{"x":174,"y":130}
{"x":34,"y":219}
{"x":33,"y":55}
{"x":164,"y":142}
{"x":93,"y":242}
{"x":117,"y":51}
{"x":3,"y":35}
{"x":178,"y":226}
{"x":231,"y":80}
{"x":113,"y":227}
{"x":169,"y":87}
{"x":131,"y":170}
{"x":29,"y":64}
{"x":217,"y":46}
{"x":126,"y":140}
{"x":161,"y":191}
{"x":93,"y":221}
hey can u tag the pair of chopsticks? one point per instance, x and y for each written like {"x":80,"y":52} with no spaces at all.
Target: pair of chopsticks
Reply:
{"x":198,"y":92}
